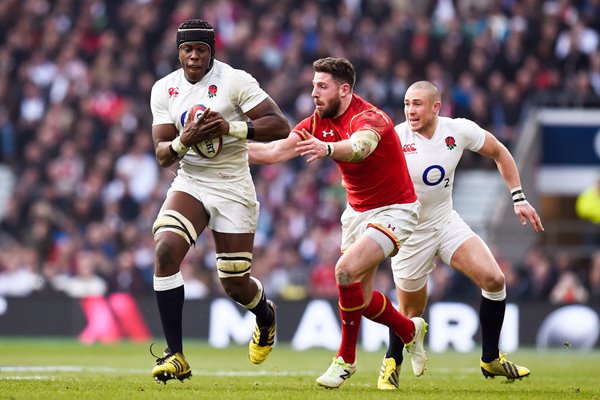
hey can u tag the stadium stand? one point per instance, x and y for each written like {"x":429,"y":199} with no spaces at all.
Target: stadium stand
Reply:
{"x":75,"y":78}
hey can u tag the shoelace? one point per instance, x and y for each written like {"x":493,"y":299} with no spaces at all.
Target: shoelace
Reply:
{"x":159,"y":360}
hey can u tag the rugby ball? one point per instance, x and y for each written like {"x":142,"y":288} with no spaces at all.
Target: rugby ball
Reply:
{"x":208,"y":148}
{"x":197,"y":111}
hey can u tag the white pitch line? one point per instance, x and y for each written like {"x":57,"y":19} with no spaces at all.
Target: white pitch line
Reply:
{"x":132,"y":371}
{"x":26,"y":378}
{"x":458,"y":373}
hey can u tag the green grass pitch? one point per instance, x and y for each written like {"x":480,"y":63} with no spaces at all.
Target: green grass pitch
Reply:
{"x":64,"y":369}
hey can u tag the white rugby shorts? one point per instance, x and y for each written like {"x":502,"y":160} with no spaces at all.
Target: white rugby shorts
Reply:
{"x":414,"y":262}
{"x":232,"y":206}
{"x":398,"y":220}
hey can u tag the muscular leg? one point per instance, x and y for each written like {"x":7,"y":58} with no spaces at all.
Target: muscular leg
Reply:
{"x":359,"y":264}
{"x":170,"y":249}
{"x":243,"y":289}
{"x":474,"y":259}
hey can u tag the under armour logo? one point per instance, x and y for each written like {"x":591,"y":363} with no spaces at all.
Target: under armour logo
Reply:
{"x":344,"y":322}
{"x":392,"y":228}
{"x":328,"y":133}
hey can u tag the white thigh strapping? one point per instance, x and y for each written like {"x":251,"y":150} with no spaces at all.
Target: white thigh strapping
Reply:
{"x":396,"y":221}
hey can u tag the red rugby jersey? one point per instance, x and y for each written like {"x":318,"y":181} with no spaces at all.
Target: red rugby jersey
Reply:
{"x":382,"y":178}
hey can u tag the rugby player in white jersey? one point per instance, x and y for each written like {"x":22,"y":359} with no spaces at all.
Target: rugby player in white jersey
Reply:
{"x":433,"y":146}
{"x":203,"y":114}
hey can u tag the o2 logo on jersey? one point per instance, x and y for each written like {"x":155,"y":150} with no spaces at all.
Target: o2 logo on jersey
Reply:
{"x":434,"y":175}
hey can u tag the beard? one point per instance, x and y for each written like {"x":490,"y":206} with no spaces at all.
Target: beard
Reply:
{"x":331,"y":110}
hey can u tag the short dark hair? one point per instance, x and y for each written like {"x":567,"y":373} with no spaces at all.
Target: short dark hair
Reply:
{"x":340,"y":69}
{"x":197,"y":30}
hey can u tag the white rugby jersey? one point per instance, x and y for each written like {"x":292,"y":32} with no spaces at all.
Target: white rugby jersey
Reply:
{"x":231,"y":92}
{"x":432,"y":162}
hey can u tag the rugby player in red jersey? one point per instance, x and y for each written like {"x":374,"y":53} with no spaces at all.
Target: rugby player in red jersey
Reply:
{"x":382,"y":209}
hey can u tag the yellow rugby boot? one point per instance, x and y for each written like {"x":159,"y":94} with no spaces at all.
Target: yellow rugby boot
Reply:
{"x":502,"y":367}
{"x":388,"y":375}
{"x":171,"y":366}
{"x":262,"y":341}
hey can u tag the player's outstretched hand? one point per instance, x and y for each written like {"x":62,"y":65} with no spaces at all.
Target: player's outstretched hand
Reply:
{"x":526,"y":212}
{"x":311,"y":146}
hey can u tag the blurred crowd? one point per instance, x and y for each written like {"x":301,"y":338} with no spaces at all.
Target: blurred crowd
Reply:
{"x":75,"y":81}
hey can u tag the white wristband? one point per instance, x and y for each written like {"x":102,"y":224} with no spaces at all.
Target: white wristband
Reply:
{"x":238,"y":129}
{"x":179,"y":147}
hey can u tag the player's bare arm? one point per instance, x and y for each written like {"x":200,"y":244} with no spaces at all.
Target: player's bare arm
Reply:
{"x":273,"y":152}
{"x":162,"y":136}
{"x":360,"y":145}
{"x":508,"y":169}
{"x":267,"y":123}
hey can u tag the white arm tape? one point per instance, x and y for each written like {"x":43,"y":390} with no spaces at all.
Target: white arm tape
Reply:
{"x":179,"y":147}
{"x":238,"y":129}
{"x":518,"y":195}
{"x":363,"y":144}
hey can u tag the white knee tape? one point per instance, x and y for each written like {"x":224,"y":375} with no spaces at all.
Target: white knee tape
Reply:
{"x":230,"y":265}
{"x":162,"y":283}
{"x":174,"y":221}
{"x":257,"y":297}
{"x":494,"y":296}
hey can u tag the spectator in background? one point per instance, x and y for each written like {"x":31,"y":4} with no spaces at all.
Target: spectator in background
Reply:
{"x":86,"y":281}
{"x":126,"y":277}
{"x":19,"y":276}
{"x":568,"y":290}
{"x":69,"y":92}
{"x":137,"y":168}
{"x":538,"y":273}
{"x":8,"y":139}
{"x":322,"y":275}
{"x":288,"y":278}
{"x":195,"y":283}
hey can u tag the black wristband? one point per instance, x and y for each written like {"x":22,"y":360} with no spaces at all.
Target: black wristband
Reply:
{"x":251,"y":130}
